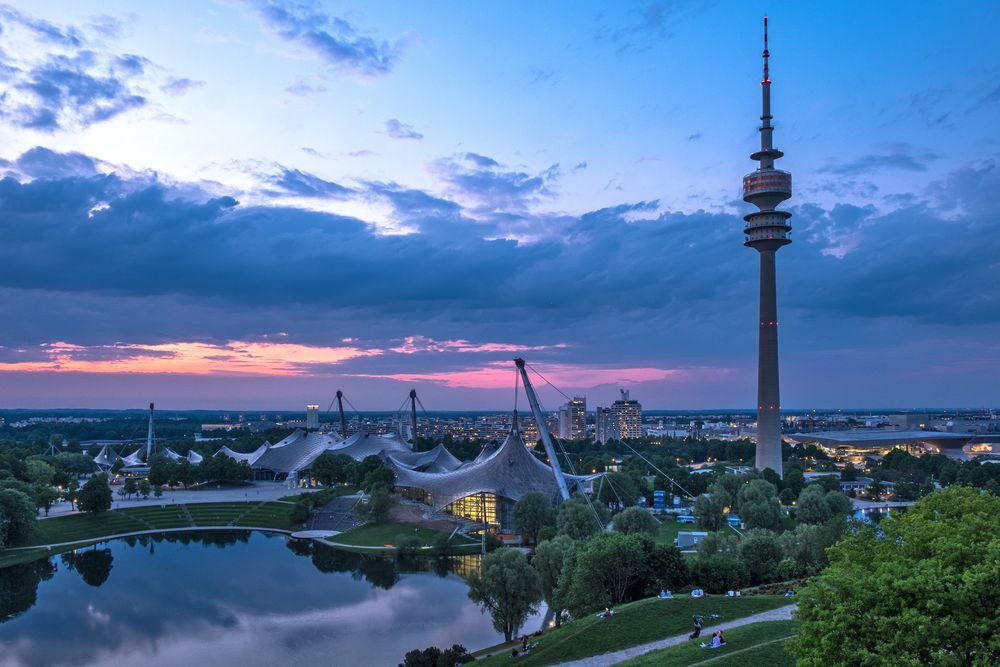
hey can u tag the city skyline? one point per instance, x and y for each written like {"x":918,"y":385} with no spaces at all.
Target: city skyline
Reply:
{"x":250,"y":205}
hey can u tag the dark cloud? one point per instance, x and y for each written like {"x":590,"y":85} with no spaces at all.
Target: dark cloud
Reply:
{"x":71,"y":80}
{"x":122,"y":258}
{"x":397,"y":130}
{"x":867,"y":164}
{"x":330,"y":37}
{"x":41,"y":162}
{"x":303,"y":183}
{"x":68,"y":90}
{"x":492,"y":186}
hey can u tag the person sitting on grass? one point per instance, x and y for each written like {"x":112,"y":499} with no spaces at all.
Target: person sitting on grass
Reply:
{"x":666,"y":595}
{"x":608,"y":613}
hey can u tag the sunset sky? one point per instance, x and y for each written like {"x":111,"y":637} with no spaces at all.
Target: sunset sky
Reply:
{"x":250,"y":205}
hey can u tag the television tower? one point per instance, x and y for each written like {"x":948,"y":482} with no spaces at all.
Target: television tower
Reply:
{"x":766,"y":231}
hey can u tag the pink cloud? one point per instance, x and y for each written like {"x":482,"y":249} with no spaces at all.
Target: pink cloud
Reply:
{"x":499,"y":375}
{"x":415,"y":344}
{"x":234,"y":357}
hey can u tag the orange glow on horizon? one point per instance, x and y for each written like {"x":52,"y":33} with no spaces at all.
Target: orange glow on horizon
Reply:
{"x":185,"y":358}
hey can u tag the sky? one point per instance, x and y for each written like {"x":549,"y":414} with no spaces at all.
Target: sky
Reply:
{"x":251,"y":204}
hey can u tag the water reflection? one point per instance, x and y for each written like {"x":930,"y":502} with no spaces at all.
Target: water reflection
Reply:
{"x":243,"y":598}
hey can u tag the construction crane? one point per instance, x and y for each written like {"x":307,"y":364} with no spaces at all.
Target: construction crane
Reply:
{"x":542,"y":430}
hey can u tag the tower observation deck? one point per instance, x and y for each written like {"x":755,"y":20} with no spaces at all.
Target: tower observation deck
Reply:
{"x":766,"y":231}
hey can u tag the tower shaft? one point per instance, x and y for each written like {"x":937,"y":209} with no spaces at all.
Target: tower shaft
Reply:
{"x":766,"y":231}
{"x":768,"y":401}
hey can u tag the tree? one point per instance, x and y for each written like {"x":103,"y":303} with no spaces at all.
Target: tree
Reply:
{"x":40,"y":472}
{"x":72,"y":489}
{"x":850,"y":473}
{"x":379,"y":504}
{"x":636,"y":520}
{"x":719,"y":573}
{"x":131,"y":486}
{"x":332,"y":468}
{"x":157,"y":491}
{"x":619,"y":490}
{"x":508,"y":588}
{"x":811,"y":506}
{"x":708,"y":511}
{"x":17,"y":515}
{"x":144,"y":488}
{"x":550,"y":558}
{"x":839,"y":504}
{"x":759,"y":505}
{"x":532,"y":513}
{"x":919,"y":590}
{"x":761,"y":552}
{"x":45,"y":497}
{"x":576,"y":519}
{"x":435,"y":657}
{"x":95,"y":496}
{"x":607,"y":566}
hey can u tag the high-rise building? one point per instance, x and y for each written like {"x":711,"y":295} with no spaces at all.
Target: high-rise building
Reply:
{"x":312,"y":416}
{"x":626,"y":417}
{"x":766,"y":231}
{"x":573,"y":419}
{"x":602,"y":425}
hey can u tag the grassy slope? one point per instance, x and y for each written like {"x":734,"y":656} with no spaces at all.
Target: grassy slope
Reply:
{"x":385,"y":534}
{"x":135,"y":519}
{"x":636,"y":623}
{"x":747,"y":646}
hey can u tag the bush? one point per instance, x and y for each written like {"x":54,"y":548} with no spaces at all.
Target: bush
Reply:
{"x":408,"y":544}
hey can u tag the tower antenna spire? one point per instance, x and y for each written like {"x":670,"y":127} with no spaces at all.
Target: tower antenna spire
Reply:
{"x":767,"y":54}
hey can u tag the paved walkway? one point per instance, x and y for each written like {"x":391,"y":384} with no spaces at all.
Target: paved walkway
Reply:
{"x":258,"y":492}
{"x":605,"y":659}
{"x":337,"y":515}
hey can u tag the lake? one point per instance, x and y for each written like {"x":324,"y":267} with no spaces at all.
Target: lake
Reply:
{"x":233,"y":598}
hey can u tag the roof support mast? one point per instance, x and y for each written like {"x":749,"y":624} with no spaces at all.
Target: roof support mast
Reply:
{"x":413,"y":417}
{"x":340,"y":407}
{"x":149,"y":437}
{"x":542,"y":431}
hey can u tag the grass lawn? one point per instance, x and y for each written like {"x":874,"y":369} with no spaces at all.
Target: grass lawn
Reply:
{"x":270,"y":515}
{"x":669,"y":529}
{"x":78,"y":527}
{"x":385,"y":534}
{"x":635,"y":623}
{"x":746,"y":646}
{"x":81,"y":527}
{"x":168,"y":516}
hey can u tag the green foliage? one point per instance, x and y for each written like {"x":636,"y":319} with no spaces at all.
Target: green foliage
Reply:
{"x":408,"y":544}
{"x":708,"y":511}
{"x":45,"y":497}
{"x":300,"y":513}
{"x":95,"y":496}
{"x":607,"y":568}
{"x":532,"y":513}
{"x":619,"y":489}
{"x":811,"y":506}
{"x":576,"y":519}
{"x":17,"y":515}
{"x":719,"y":573}
{"x":379,"y":504}
{"x":636,"y":520}
{"x":40,"y":472}
{"x":923,"y":592}
{"x":435,"y":657}
{"x":761,"y":552}
{"x":381,"y":476}
{"x":549,"y":561}
{"x":330,"y":468}
{"x":508,"y":588}
{"x":759,"y":505}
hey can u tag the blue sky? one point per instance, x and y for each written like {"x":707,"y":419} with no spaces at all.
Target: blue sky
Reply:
{"x":252,"y":204}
